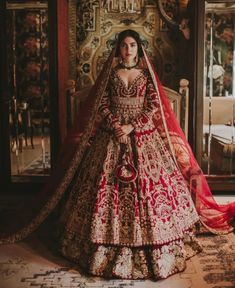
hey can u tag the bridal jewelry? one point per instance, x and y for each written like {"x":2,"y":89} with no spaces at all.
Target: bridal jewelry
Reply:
{"x":128,"y":66}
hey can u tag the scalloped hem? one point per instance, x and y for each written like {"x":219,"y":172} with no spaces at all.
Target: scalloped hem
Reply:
{"x":155,"y":262}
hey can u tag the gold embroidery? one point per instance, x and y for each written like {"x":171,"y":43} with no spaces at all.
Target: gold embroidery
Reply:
{"x":132,"y":263}
{"x":155,"y":209}
{"x":63,"y":185}
{"x":133,"y":230}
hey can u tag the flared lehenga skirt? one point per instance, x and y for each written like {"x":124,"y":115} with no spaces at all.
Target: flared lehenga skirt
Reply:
{"x":131,"y":230}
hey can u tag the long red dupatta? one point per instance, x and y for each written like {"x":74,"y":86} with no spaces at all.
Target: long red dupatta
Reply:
{"x":215,"y":217}
{"x":17,"y":225}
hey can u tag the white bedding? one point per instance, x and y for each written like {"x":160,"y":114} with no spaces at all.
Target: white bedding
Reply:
{"x":225,"y":132}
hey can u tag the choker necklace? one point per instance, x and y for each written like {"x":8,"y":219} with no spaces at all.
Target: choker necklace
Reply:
{"x":128,"y":67}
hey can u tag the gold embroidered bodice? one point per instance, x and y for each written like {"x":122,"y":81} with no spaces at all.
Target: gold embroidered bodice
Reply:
{"x":134,"y":104}
{"x":127,"y":102}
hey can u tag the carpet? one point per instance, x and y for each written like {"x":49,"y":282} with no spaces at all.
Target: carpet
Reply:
{"x":37,"y":167}
{"x":34,"y":264}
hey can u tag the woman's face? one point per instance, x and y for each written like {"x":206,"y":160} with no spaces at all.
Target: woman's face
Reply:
{"x":128,"y":49}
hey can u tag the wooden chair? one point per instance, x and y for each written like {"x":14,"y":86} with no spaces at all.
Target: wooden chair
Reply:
{"x":180,"y":103}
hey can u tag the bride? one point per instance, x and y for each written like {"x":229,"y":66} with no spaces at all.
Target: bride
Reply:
{"x":132,"y":190}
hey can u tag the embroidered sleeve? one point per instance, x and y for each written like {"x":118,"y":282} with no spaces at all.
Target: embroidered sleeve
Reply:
{"x":152,"y":103}
{"x":111,"y":120}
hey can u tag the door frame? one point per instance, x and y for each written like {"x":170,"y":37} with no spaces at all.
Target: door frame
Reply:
{"x":27,"y":183}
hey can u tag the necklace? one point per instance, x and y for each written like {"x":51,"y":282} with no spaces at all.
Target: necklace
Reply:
{"x":128,"y":67}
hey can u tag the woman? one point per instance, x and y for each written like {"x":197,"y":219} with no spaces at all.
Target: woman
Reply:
{"x":130,"y":222}
{"x":129,"y":183}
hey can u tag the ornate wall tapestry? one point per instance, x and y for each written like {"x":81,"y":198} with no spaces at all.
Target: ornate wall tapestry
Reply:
{"x":98,"y":22}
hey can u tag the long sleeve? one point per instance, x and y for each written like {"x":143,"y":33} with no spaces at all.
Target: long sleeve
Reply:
{"x":111,"y":121}
{"x":151,"y":106}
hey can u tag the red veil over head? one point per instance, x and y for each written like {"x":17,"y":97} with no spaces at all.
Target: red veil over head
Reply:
{"x":215,"y":217}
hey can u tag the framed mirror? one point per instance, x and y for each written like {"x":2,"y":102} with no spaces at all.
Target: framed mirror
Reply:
{"x":216,"y":94}
{"x":28,"y":80}
{"x":29,"y":121}
{"x":29,"y":129}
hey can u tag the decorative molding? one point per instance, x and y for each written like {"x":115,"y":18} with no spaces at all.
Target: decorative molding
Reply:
{"x":165,"y":15}
{"x":123,"y":6}
{"x":72,"y":38}
{"x":26,"y":5}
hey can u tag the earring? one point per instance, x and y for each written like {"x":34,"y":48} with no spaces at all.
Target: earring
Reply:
{"x":120,"y":61}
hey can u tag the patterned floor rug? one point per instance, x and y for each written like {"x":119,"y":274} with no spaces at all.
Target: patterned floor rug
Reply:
{"x":33,"y":264}
{"x":37,"y":167}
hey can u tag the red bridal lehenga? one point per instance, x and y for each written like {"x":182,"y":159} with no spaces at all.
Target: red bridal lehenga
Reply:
{"x":142,"y":227}
{"x":135,"y":229}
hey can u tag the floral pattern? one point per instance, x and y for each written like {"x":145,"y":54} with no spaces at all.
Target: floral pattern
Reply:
{"x":134,"y":230}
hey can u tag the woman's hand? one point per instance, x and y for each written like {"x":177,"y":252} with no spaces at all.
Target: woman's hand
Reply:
{"x":127,"y":129}
{"x":123,"y":139}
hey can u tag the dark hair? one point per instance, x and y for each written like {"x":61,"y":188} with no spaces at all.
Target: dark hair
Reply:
{"x":129,"y":33}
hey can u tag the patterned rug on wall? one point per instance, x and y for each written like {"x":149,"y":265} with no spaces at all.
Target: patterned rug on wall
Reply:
{"x":33,"y":264}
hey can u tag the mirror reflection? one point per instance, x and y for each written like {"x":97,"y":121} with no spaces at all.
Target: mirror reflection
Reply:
{"x":29,"y":119}
{"x":219,"y":90}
